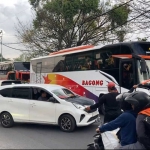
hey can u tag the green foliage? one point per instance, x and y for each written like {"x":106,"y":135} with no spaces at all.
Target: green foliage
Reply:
{"x":4,"y":59}
{"x":119,"y":15}
{"x":23,"y":57}
{"x":142,"y":39}
{"x":63,"y":24}
{"x":32,"y":2}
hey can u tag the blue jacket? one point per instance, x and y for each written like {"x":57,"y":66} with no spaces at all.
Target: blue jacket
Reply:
{"x":127,"y":124}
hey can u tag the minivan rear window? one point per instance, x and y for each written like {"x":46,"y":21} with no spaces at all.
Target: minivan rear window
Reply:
{"x":10,"y":82}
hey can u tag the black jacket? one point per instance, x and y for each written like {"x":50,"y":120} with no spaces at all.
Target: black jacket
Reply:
{"x":112,"y":107}
{"x":142,"y":132}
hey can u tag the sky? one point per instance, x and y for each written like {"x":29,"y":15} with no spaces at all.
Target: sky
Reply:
{"x":10,"y":10}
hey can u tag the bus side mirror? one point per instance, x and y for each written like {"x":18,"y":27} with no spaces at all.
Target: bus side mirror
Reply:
{"x":143,"y":65}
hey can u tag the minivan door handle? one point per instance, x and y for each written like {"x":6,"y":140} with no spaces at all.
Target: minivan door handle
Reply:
{"x":32,"y":104}
{"x":10,"y":100}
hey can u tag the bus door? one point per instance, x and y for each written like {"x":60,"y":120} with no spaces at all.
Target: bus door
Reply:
{"x":38,"y":72}
{"x":127,"y":76}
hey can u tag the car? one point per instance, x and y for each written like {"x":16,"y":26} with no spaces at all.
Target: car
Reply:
{"x":44,"y":104}
{"x":8,"y":82}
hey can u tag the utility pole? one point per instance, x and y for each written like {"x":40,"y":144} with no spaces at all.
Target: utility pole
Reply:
{"x":1,"y":35}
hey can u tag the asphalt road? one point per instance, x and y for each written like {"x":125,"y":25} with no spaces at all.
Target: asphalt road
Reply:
{"x":33,"y":136}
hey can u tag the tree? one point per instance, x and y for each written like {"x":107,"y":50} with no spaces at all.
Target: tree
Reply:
{"x":141,"y":15}
{"x":63,"y":24}
{"x":142,"y":39}
{"x":118,"y":17}
{"x":23,"y":57}
{"x":3,"y":59}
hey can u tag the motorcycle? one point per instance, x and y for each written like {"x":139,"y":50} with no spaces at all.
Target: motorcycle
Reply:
{"x":97,"y":144}
{"x":110,"y":139}
{"x":106,"y":140}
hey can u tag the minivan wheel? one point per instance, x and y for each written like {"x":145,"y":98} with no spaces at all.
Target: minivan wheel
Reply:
{"x":67,"y":123}
{"x":6,"y":120}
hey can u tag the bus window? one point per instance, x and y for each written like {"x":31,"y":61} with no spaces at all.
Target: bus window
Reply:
{"x":125,"y":49}
{"x":142,"y":76}
{"x":127,"y":78}
{"x":83,"y":61}
{"x":22,"y":65}
{"x":59,"y":64}
{"x":33,"y":63}
{"x":69,"y":62}
{"x":141,"y":48}
{"x":47,"y":64}
{"x":103,"y":57}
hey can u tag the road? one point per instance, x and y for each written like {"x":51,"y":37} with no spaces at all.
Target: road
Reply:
{"x":33,"y":136}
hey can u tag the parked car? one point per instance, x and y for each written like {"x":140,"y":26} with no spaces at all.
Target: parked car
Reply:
{"x":8,"y":82}
{"x":60,"y":106}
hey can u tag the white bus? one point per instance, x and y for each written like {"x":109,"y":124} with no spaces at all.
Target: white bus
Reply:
{"x":87,"y":69}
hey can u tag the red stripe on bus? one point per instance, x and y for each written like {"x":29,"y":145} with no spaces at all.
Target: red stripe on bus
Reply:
{"x":73,"y":49}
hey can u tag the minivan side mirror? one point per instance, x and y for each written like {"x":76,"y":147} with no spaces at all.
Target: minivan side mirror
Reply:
{"x":143,"y":65}
{"x":52,"y":99}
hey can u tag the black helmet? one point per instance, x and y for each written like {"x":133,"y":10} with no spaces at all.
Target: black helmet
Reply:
{"x":124,"y":105}
{"x":139,"y":100}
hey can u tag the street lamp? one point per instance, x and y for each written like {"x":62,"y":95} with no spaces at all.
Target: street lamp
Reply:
{"x":1,"y":35}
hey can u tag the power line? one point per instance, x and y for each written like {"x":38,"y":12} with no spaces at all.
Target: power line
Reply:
{"x":15,"y":48}
{"x":126,"y":22}
{"x":12,"y":43}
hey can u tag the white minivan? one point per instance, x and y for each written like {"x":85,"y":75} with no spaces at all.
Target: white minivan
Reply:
{"x":46,"y":104}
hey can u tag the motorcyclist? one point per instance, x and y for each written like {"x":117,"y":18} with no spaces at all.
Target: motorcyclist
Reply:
{"x":140,"y":102}
{"x":126,"y":122}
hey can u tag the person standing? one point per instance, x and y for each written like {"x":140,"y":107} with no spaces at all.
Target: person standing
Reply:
{"x":112,"y":107}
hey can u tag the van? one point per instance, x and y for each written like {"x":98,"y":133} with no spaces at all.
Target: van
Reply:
{"x":9,"y":82}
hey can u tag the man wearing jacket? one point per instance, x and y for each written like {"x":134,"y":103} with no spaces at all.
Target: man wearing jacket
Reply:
{"x":140,"y":102}
{"x":126,"y":122}
{"x":112,"y":107}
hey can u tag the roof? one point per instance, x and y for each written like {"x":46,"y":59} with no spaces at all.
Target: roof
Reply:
{"x":45,"y":86}
{"x":69,"y":52}
{"x":84,"y":48}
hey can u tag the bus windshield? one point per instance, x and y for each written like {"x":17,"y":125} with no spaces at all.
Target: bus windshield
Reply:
{"x":142,"y":48}
{"x":22,"y":65}
{"x":146,"y":75}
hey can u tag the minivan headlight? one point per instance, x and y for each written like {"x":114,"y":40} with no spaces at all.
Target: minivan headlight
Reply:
{"x":78,"y":106}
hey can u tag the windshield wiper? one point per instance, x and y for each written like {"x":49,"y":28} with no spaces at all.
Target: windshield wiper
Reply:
{"x":73,"y":96}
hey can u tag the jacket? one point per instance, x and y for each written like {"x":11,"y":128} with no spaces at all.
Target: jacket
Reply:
{"x":112,"y":107}
{"x":127,"y":124}
{"x":142,"y":132}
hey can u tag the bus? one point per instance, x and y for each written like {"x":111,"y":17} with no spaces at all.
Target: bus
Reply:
{"x":87,"y":69}
{"x":10,"y":70}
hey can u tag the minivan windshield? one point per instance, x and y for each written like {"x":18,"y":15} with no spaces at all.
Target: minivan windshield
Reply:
{"x":64,"y":93}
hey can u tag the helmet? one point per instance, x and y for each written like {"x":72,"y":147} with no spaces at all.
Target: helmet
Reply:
{"x":124,"y":105}
{"x":139,"y":100}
